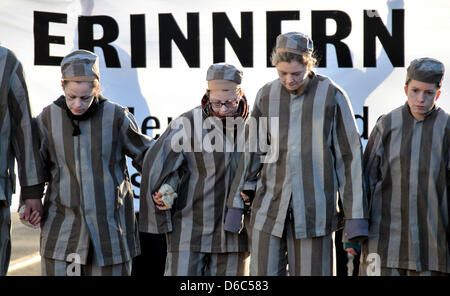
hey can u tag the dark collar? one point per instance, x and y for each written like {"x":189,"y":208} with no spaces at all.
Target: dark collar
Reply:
{"x":61,"y":102}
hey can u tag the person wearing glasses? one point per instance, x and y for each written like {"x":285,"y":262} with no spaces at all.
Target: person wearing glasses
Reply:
{"x":186,"y":179}
{"x":88,"y":226}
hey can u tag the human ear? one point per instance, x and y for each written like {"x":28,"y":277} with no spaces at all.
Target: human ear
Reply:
{"x":438,"y":93}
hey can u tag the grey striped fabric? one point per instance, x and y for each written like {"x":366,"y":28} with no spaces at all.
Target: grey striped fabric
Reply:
{"x":295,"y":42}
{"x":196,"y":221}
{"x":406,"y":272}
{"x":18,"y":140}
{"x":407,"y":172}
{"x":320,"y":157}
{"x":50,"y":267}
{"x":187,"y":263}
{"x":5,"y":238}
{"x":274,"y":256}
{"x":89,"y":198}
{"x":223,"y":71}
{"x":80,"y":63}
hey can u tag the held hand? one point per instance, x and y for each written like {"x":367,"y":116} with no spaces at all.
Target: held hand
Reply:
{"x":33,"y":211}
{"x":157,"y":198}
{"x":352,"y":251}
{"x":247,"y":201}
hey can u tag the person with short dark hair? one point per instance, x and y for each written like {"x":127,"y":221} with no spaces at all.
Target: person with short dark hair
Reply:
{"x":406,"y":167}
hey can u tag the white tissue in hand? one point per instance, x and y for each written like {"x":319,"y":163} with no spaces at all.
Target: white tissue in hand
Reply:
{"x":27,"y":223}
{"x":168,"y":195}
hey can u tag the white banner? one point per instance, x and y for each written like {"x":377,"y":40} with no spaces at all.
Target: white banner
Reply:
{"x":154,"y":54}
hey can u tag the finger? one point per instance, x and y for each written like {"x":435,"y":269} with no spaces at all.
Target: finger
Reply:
{"x":351,"y":251}
{"x":37,"y":221}
{"x":161,"y":208}
{"x":158,"y":201}
{"x":244,"y":196}
{"x":27,"y":213}
{"x":34,"y":215}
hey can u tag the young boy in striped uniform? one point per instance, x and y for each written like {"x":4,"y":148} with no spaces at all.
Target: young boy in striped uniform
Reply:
{"x":199,"y":173}
{"x":294,"y":211}
{"x":406,"y":166}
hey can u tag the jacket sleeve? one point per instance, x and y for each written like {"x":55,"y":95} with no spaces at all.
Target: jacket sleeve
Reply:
{"x":250,"y":163}
{"x":348,"y":160}
{"x":136,"y":143}
{"x":161,"y":165}
{"x":372,"y":162}
{"x":24,"y":135}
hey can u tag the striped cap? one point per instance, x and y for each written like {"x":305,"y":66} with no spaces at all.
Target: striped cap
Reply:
{"x":80,"y":65}
{"x":294,"y":42}
{"x":426,"y":70}
{"x":223,"y":71}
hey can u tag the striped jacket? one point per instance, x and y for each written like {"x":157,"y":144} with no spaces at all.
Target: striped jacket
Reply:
{"x":89,"y":199}
{"x":202,"y":178}
{"x":18,"y":137}
{"x":406,"y":165}
{"x":319,"y":159}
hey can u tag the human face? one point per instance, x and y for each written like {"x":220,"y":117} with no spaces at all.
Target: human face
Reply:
{"x":421,"y":97}
{"x":293,"y":75}
{"x":224,"y":101}
{"x":79,"y":96}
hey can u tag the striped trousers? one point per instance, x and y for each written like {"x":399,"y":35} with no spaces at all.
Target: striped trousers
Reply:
{"x":274,"y":256}
{"x":52,"y":267}
{"x":187,"y":263}
{"x":5,"y":237}
{"x":385,"y":271}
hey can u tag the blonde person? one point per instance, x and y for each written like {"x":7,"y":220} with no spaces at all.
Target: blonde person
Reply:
{"x":88,"y":226}
{"x":294,"y":211}
{"x":186,"y":178}
{"x":407,"y":168}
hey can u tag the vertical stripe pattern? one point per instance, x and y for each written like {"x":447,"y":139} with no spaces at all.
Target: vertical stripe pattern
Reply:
{"x":19,"y":141}
{"x":187,"y":263}
{"x":274,"y":256}
{"x":319,"y":159}
{"x":202,"y":178}
{"x":89,"y":199}
{"x":406,"y":165}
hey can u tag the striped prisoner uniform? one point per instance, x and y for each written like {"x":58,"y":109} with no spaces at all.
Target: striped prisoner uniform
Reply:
{"x":319,"y":158}
{"x":18,"y":140}
{"x":406,"y":165}
{"x":88,"y":204}
{"x":202,"y":178}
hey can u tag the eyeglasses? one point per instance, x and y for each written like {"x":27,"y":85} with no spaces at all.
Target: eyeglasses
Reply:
{"x":228,"y":104}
